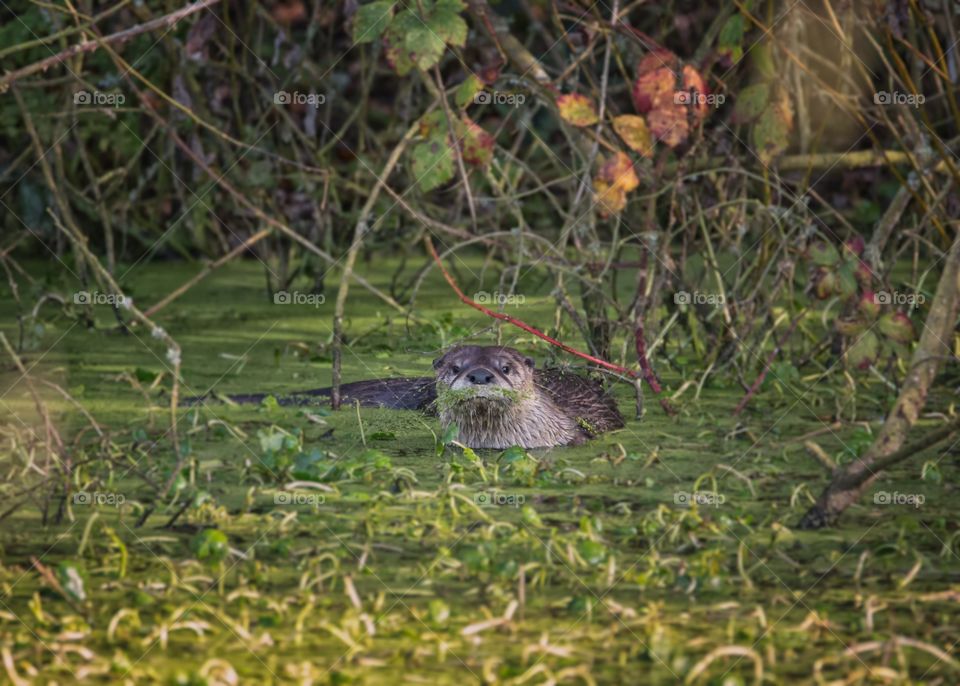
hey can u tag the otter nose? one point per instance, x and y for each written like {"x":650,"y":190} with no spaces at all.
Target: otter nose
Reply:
{"x":480,"y":377}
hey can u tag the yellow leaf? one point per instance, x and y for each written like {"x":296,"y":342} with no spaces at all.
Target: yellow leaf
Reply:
{"x":577,"y":109}
{"x":634,"y":132}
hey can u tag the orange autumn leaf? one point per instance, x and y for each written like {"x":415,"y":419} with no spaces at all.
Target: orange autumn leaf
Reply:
{"x":666,"y":93}
{"x":635,"y":133}
{"x":609,"y":199}
{"x":577,"y":109}
{"x":669,"y":124}
{"x":614,"y":180}
{"x":696,"y":89}
{"x":656,"y":81}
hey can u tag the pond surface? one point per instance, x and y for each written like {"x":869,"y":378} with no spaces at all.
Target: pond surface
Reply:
{"x":394,"y":560}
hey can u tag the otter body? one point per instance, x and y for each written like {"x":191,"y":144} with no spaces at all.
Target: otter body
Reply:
{"x":494,"y":395}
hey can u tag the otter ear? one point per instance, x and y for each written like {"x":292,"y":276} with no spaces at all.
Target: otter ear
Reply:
{"x":437,"y":363}
{"x":529,"y":362}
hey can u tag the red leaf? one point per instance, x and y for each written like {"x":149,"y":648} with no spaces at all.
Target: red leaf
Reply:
{"x":477,"y":144}
{"x":669,"y":124}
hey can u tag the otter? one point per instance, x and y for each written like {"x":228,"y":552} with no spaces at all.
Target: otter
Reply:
{"x":495,"y":396}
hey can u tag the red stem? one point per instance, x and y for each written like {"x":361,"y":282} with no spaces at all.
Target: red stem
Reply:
{"x":516,"y":322}
{"x":647,"y":375}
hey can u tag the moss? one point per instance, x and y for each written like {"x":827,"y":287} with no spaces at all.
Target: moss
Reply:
{"x":433,"y":545}
{"x":449,"y":397}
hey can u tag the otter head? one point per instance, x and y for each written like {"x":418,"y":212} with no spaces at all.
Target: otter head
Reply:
{"x":471,"y":373}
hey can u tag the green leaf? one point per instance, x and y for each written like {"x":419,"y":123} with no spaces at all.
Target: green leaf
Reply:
{"x":439,"y":612}
{"x":450,"y":435}
{"x":592,"y":551}
{"x":512,"y":454}
{"x":211,"y":545}
{"x":771,"y":133}
{"x":762,"y":57}
{"x":751,"y":102}
{"x":897,"y":327}
{"x":395,"y":38}
{"x":446,"y":22}
{"x":424,"y":46}
{"x":850,"y":327}
{"x":730,"y":39}
{"x":931,"y":472}
{"x":823,"y":254}
{"x":580,"y":605}
{"x":846,"y":279}
{"x":863,"y":352}
{"x":432,"y":163}
{"x":467,"y":91}
{"x":419,"y":41}
{"x":530,"y":516}
{"x":372,"y":20}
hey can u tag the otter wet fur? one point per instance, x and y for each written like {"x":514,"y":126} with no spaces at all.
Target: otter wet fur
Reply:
{"x":494,"y":395}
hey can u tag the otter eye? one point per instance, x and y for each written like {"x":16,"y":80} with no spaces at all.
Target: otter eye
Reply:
{"x":505,"y":369}
{"x":455,"y":369}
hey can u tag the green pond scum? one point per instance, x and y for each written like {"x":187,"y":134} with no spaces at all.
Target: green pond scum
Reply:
{"x":299,"y":545}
